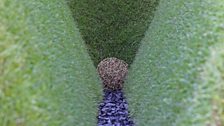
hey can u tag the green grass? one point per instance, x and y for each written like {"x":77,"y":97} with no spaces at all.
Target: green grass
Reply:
{"x":46,"y":75}
{"x":177,"y":75}
{"x":112,"y":27}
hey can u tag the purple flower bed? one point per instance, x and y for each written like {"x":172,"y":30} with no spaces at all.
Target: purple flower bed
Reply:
{"x":113,"y":111}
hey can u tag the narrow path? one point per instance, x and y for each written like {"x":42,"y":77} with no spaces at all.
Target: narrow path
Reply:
{"x":113,"y":110}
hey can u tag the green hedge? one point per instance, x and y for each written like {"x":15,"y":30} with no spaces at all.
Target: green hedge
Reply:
{"x":46,"y":75}
{"x":177,"y":76}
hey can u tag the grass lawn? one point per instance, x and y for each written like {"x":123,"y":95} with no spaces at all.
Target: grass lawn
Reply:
{"x":113,"y":27}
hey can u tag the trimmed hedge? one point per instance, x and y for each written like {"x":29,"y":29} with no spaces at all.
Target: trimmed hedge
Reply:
{"x":46,"y":75}
{"x":177,"y":75}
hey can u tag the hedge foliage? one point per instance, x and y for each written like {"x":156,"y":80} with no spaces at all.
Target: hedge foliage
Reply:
{"x":177,"y":76}
{"x":46,"y":75}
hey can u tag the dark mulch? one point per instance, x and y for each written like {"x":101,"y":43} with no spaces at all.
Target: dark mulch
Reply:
{"x":113,"y":111}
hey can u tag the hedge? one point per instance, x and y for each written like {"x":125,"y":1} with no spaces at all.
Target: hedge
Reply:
{"x":177,"y":75}
{"x":47,"y":76}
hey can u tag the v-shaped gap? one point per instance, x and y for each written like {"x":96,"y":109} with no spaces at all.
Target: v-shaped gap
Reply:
{"x":113,"y":28}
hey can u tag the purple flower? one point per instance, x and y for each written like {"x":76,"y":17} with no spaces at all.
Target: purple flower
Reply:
{"x":113,"y":110}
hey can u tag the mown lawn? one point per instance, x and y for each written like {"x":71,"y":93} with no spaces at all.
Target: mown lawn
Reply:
{"x":113,"y":27}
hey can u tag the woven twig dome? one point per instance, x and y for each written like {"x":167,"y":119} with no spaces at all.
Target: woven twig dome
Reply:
{"x":112,"y":72}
